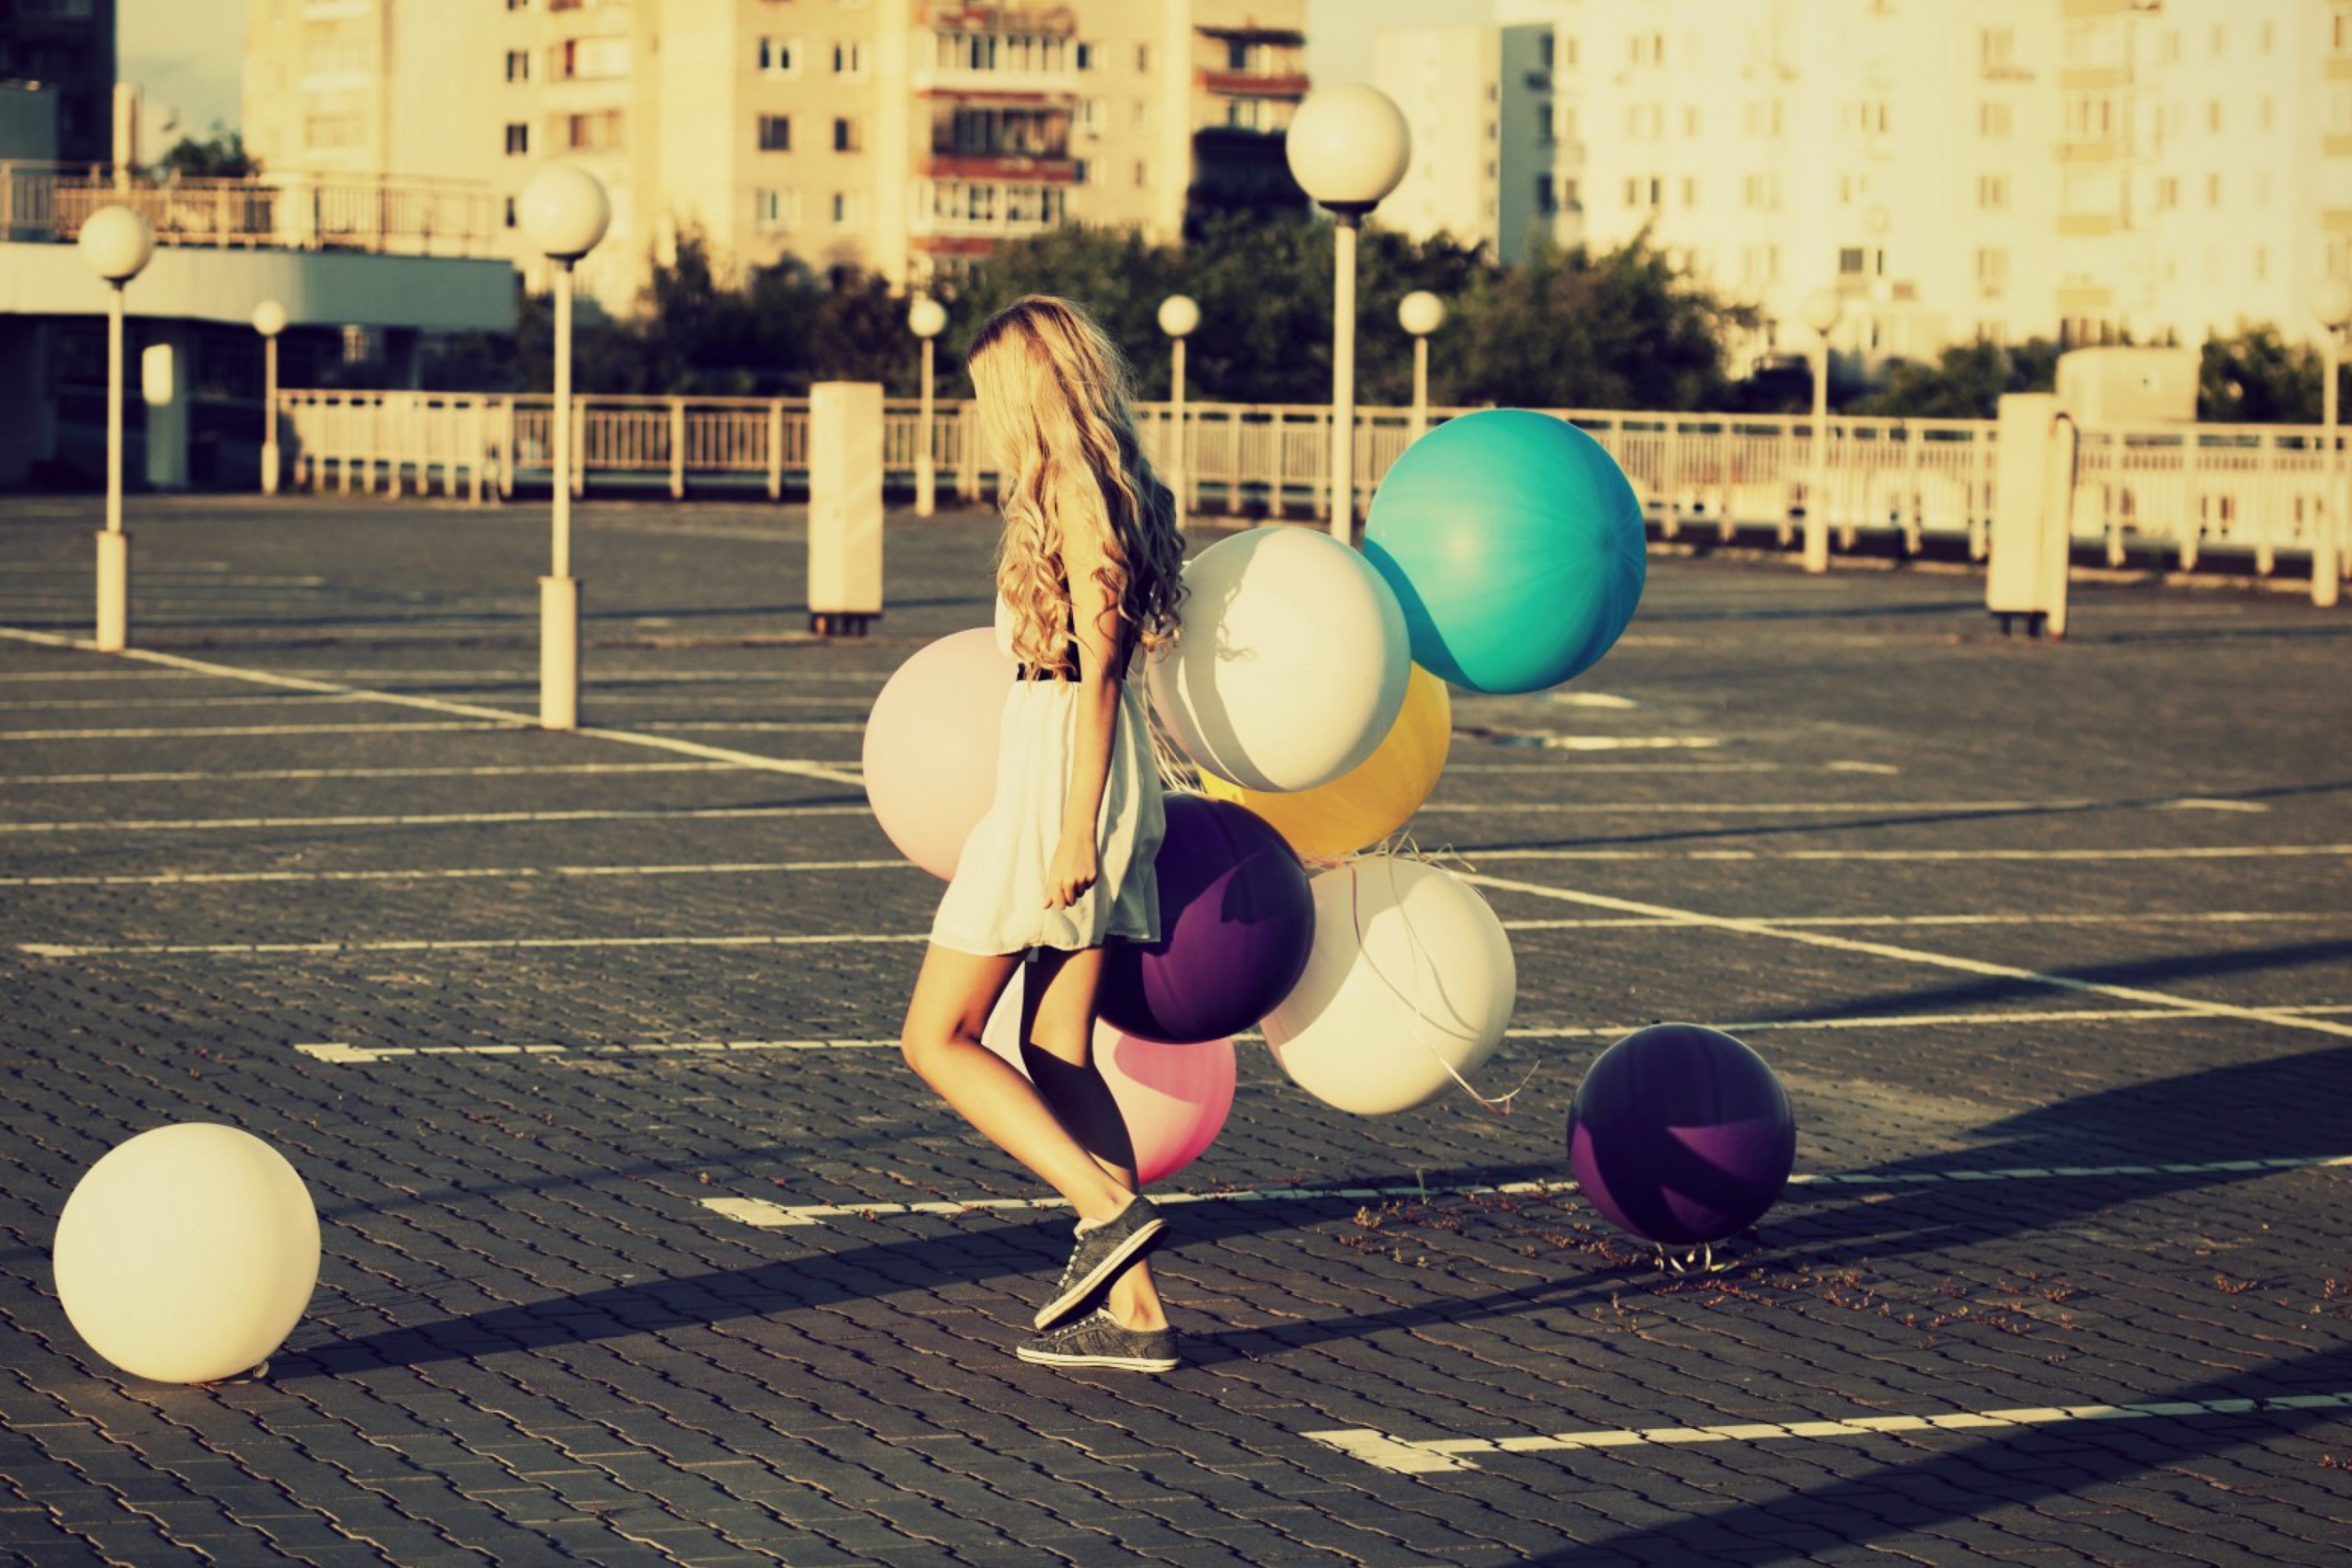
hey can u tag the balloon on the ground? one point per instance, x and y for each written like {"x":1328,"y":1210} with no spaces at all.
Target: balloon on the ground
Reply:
{"x":1514,"y":544}
{"x":931,"y":746}
{"x":1374,"y":798}
{"x":1410,"y":985}
{"x":1291,"y":664}
{"x":1681,"y":1135}
{"x":1236,"y":919}
{"x":187,"y":1254}
{"x":1173,"y":1099}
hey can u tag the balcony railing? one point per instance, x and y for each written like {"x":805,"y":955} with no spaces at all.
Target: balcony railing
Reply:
{"x":2254,"y":492}
{"x":385,"y":215}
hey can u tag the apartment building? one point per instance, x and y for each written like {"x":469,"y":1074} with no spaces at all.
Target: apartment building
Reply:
{"x":904,"y":137}
{"x":2001,"y":169}
{"x":62,"y":52}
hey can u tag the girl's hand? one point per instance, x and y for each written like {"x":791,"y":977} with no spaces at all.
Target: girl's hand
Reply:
{"x":1077,"y":865}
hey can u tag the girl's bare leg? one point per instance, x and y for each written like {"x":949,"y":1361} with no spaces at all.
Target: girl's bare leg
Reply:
{"x":952,"y":998}
{"x":1057,"y":1046}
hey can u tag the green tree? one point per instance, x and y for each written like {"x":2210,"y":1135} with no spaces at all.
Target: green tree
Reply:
{"x":1965,"y":382}
{"x":2255,"y":376}
{"x":220,"y":156}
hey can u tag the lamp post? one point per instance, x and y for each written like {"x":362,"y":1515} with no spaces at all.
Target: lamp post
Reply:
{"x":269,"y":320}
{"x":1348,"y":147}
{"x":117,"y":244}
{"x":2332,"y":303}
{"x":1178,"y":317}
{"x":926,"y":317}
{"x":1822,"y":308}
{"x":1420,"y":313}
{"x":565,"y":212}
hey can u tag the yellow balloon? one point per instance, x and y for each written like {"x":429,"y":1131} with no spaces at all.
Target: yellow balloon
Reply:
{"x":1370,"y":801}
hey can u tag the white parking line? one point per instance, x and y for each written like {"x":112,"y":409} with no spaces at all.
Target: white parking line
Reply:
{"x":2189,"y":852}
{"x":1423,"y":1456}
{"x":519,"y":770}
{"x":1910,"y":1021}
{"x":1920,"y":956}
{"x":343,"y":1053}
{"x":1834,"y":923}
{"x":595,"y":692}
{"x":442,"y":819}
{"x":1809,"y":807}
{"x":193,"y":731}
{"x":464,"y":944}
{"x":769,"y":1215}
{"x":447,"y":873}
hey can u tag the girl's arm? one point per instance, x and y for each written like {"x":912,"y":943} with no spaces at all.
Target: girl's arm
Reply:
{"x":1095,"y":624}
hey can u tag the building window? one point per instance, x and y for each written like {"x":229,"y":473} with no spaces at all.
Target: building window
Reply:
{"x":1762,"y":192}
{"x":518,"y":4}
{"x":1142,"y":174}
{"x":2213,"y":114}
{"x":1992,"y":192}
{"x":1143,"y":56}
{"x":2168,"y":193}
{"x":511,"y":212}
{"x":775,"y":134}
{"x":1992,"y":272}
{"x":1543,"y":121}
{"x":518,"y":65}
{"x":776,"y":211}
{"x":2213,"y":189}
{"x":844,"y":135}
{"x":1571,"y":194}
{"x":849,"y":209}
{"x":590,"y":59}
{"x":599,"y":131}
{"x":1690,"y":191}
{"x":1993,"y":120}
{"x":1997,"y":51}
{"x":518,"y":139}
{"x":1081,"y":172}
{"x":1089,"y":57}
{"x":1545,"y":199}
{"x":1142,"y":113}
{"x":850,"y":59}
{"x":779,"y":57}
{"x":1850,"y":261}
{"x":1091,"y":116}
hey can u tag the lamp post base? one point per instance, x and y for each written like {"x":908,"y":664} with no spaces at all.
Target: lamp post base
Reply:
{"x":559,"y":653}
{"x":113,"y":590}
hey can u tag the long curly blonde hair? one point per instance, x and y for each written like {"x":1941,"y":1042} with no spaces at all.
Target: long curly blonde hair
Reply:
{"x":1055,"y":403}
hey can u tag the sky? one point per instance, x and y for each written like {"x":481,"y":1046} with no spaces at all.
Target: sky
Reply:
{"x":187,"y":53}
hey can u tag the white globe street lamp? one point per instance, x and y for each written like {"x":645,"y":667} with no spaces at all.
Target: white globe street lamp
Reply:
{"x":1348,"y":147}
{"x":926,"y":318}
{"x":117,"y":244}
{"x":2332,"y":303}
{"x":269,"y":320}
{"x":565,"y":212}
{"x":1179,"y":317}
{"x":1420,"y":313}
{"x":1820,"y":312}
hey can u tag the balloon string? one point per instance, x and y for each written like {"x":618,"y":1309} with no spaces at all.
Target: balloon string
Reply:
{"x":1500,"y":1104}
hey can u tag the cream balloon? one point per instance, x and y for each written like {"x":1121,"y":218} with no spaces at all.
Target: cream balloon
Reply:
{"x":188,"y":1253}
{"x":1410,"y":983}
{"x":1291,"y":664}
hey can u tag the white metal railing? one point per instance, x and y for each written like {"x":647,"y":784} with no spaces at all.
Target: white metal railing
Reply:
{"x":384,"y":214}
{"x":2248,"y":490}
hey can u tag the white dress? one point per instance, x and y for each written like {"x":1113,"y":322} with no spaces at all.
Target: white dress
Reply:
{"x":997,"y":903}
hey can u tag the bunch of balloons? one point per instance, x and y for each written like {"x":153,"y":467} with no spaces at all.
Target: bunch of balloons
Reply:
{"x":1309,"y":686}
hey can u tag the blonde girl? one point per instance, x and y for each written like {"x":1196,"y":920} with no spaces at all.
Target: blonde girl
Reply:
{"x":1087,"y":578}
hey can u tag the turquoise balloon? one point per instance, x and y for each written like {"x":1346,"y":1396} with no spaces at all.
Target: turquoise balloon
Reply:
{"x":1514,"y":544}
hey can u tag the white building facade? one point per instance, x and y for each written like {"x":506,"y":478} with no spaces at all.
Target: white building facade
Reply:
{"x":902,"y":136}
{"x":2083,"y":169}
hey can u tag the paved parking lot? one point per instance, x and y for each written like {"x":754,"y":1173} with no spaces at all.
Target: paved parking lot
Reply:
{"x":642,"y":1246}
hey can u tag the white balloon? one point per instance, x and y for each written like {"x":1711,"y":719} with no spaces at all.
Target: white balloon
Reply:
{"x":1410,"y":975}
{"x":188,"y":1253}
{"x":1291,"y":664}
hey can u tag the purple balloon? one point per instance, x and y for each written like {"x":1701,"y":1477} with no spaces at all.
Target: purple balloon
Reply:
{"x":1236,"y":920}
{"x":1681,"y":1135}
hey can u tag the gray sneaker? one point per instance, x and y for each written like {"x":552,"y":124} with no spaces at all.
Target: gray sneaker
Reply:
{"x":1099,"y":1256}
{"x":1097,"y":1340}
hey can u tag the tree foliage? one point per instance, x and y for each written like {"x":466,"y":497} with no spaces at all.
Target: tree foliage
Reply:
{"x":2255,"y":377}
{"x":220,"y":156}
{"x":1965,"y":382}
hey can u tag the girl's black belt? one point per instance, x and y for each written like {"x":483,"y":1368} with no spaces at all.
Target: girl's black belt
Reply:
{"x":1038,"y":672}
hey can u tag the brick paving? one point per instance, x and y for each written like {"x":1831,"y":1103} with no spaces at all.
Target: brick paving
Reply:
{"x":2049,"y":943}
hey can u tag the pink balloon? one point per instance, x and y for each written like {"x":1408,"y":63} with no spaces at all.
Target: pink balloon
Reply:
{"x":931,"y":746}
{"x":1174,"y":1098}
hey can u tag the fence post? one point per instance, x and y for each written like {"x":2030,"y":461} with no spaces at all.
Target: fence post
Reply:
{"x":2193,"y":528}
{"x":2265,"y":471}
{"x":480,"y":445}
{"x":677,"y":448}
{"x":775,"y":448}
{"x":577,"y":415}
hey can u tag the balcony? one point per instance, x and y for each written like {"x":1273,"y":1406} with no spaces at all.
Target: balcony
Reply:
{"x":1253,"y":84}
{"x":1051,"y":169}
{"x":1036,"y":21}
{"x":385,"y":216}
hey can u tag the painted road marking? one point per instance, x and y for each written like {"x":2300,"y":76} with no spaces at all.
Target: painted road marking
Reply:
{"x":459,"y":873}
{"x":1423,"y":1456}
{"x":466,"y":944}
{"x":1827,"y":922}
{"x":180,"y":732}
{"x":344,"y":1051}
{"x":767,"y":1214}
{"x":2193,"y":852}
{"x":595,"y":690}
{"x":432,"y":704}
{"x":443,"y":819}
{"x":1918,"y":955}
{"x":519,"y":770}
{"x":1809,"y":807}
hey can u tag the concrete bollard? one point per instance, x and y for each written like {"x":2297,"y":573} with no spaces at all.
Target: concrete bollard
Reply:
{"x":844,"y":526}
